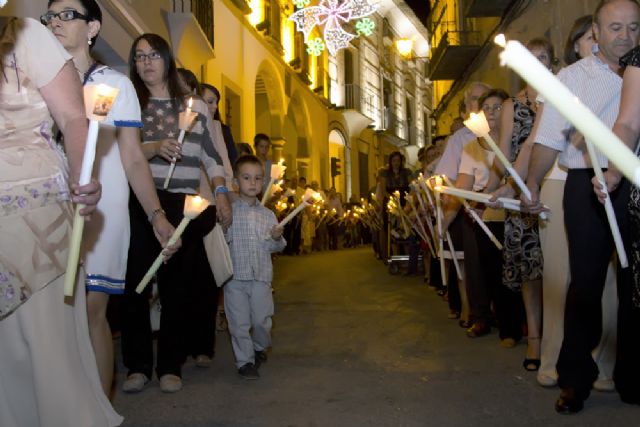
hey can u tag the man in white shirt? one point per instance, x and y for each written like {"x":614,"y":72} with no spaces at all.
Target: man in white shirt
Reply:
{"x":596,"y":81}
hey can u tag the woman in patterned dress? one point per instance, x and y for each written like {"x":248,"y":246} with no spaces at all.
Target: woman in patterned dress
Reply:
{"x":522,"y":254}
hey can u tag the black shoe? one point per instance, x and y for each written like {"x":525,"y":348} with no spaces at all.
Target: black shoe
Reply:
{"x":260,"y":357}
{"x":568,"y":402}
{"x":249,"y":372}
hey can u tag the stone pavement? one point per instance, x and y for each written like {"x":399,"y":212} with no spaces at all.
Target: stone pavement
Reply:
{"x":355,"y":346}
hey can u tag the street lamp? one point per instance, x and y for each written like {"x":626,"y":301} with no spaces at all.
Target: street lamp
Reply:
{"x":405,"y":49}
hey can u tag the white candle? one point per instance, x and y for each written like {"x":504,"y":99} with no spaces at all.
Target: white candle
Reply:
{"x":439,"y":224}
{"x":98,"y":102}
{"x":511,"y":204}
{"x":422,"y":231}
{"x":185,"y":119}
{"x":193,"y":206}
{"x":478,"y":124}
{"x":309,"y":194}
{"x":517,"y":57}
{"x":274,"y":174}
{"x":608,"y":207}
{"x":475,"y":216}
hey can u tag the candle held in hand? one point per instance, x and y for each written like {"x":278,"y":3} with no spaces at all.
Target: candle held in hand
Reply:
{"x":193,"y":206}
{"x":185,"y":120}
{"x":98,"y":102}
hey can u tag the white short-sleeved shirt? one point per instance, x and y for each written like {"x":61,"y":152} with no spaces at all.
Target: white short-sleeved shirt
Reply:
{"x":107,"y":234}
{"x":477,"y":162}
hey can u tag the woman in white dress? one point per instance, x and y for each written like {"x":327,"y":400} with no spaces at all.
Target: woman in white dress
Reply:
{"x":48,"y":375}
{"x":119,"y":162}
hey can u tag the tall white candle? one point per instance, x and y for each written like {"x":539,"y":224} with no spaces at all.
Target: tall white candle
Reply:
{"x":608,"y":207}
{"x":274,"y":175}
{"x":511,"y":204}
{"x":98,"y":102}
{"x":185,"y":119}
{"x":193,"y":206}
{"x":517,"y":57}
{"x":439,"y":224}
{"x":475,"y":216}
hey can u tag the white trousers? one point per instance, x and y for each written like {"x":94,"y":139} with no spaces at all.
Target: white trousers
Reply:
{"x":248,"y":305}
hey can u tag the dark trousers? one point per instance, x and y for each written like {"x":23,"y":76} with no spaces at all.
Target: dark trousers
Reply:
{"x":590,"y":248}
{"x":187,"y":290}
{"x":456,"y":230}
{"x":483,"y":267}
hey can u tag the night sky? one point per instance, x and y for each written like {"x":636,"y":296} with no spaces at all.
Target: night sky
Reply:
{"x":420,"y":8}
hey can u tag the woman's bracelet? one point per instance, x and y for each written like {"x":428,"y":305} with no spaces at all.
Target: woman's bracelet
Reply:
{"x":155,"y":213}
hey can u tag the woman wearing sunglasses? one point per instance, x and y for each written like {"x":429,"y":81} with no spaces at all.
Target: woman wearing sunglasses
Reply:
{"x":119,"y":163}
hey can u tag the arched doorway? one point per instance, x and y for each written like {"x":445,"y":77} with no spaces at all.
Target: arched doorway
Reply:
{"x":338,"y":149}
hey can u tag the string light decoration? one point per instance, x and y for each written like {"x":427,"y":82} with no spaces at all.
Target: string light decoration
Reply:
{"x":315,"y":46}
{"x":365,"y":26}
{"x":333,"y":14}
{"x":301,"y":3}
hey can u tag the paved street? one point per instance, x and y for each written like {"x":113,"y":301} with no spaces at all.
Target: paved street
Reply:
{"x":355,"y":346}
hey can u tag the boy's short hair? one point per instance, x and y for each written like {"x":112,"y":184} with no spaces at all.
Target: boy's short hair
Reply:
{"x":261,"y":137}
{"x":243,"y":160}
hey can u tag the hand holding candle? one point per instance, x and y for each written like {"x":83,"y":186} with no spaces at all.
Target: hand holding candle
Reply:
{"x":193,"y":206}
{"x":308,"y":195}
{"x":98,"y":102}
{"x":185,"y":119}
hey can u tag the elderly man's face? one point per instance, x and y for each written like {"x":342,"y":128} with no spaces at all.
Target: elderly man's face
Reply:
{"x":617,"y":29}
{"x":471,"y":102}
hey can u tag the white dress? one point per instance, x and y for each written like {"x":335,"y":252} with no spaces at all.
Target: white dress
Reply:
{"x":48,"y":372}
{"x":106,"y":236}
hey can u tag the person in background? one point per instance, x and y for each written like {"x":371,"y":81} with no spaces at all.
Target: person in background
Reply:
{"x":211,"y":96}
{"x":46,"y":360}
{"x":248,"y":300}
{"x":119,"y":163}
{"x":262,"y":146}
{"x":244,"y":148}
{"x":188,"y":81}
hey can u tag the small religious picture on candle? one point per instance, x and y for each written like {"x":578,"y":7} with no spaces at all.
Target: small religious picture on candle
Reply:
{"x":103,"y":104}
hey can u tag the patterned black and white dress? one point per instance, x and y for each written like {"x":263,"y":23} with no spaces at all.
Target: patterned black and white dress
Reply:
{"x":632,"y":58}
{"x":522,"y":254}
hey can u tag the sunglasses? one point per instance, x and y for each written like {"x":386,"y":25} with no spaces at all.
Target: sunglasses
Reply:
{"x":65,"y":15}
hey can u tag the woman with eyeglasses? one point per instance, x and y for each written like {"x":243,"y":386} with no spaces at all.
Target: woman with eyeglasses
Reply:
{"x":48,"y":374}
{"x":522,"y":254}
{"x":186,"y":282}
{"x":119,"y":163}
{"x":482,"y":260}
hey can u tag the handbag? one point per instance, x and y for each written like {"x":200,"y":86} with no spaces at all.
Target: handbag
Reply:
{"x":218,"y":254}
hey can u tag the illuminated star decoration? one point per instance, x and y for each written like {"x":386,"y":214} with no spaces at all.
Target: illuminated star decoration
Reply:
{"x":365,"y":26}
{"x":315,"y":46}
{"x":332,"y":14}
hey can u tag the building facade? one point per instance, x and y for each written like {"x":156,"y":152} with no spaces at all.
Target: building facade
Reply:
{"x":356,"y":106}
{"x":462,"y":33}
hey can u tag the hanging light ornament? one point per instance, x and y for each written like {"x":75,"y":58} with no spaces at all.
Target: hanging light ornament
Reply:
{"x":315,"y":46}
{"x":365,"y":26}
{"x":333,"y":14}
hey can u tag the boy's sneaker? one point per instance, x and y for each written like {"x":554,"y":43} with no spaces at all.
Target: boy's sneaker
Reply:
{"x":170,"y":383}
{"x":249,"y":372}
{"x":260,"y":357}
{"x":135,"y":383}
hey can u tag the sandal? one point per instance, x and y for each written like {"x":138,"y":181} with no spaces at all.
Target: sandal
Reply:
{"x":531,"y":365}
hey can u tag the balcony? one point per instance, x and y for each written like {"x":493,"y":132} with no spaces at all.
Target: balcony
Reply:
{"x":190,"y":25}
{"x":486,"y":8}
{"x":455,"y":51}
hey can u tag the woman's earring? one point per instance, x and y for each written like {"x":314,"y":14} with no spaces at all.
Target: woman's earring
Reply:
{"x":89,"y":41}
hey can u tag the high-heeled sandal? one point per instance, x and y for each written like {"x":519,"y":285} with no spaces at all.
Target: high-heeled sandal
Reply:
{"x":531,"y":365}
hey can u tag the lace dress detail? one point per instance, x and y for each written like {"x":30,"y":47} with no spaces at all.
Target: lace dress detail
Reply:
{"x":633,"y":59}
{"x":522,"y":254}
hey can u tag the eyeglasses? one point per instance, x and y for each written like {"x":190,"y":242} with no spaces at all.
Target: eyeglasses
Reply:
{"x":141,"y":57}
{"x":492,"y":108}
{"x":65,"y":15}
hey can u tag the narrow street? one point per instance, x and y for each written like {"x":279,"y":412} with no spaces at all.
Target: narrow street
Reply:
{"x":356,"y":346}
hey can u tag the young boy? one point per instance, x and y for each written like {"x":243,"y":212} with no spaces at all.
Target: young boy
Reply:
{"x":248,"y":301}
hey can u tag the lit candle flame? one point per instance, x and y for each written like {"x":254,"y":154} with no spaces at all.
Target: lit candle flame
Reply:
{"x":500,"y":40}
